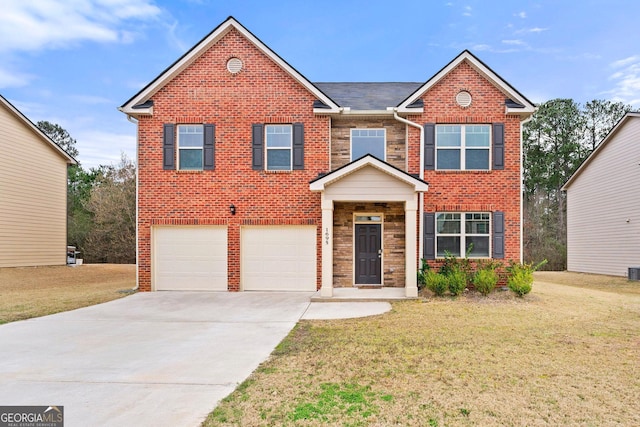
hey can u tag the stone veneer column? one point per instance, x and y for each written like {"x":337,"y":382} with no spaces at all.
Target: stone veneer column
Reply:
{"x":326,"y":289}
{"x":411,"y":270}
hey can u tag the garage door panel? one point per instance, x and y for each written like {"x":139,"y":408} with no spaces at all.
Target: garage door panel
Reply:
{"x":278,"y":258}
{"x":190,"y":258}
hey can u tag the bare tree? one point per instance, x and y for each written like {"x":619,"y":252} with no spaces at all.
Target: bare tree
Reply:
{"x":113,"y":205}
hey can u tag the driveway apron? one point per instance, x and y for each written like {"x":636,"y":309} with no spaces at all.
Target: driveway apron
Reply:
{"x":151,"y":359}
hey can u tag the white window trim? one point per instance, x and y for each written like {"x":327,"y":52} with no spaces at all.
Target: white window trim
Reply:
{"x":357,"y":214}
{"x":266,"y":148}
{"x":201,"y":148}
{"x":463,"y":148}
{"x":351,"y":159}
{"x":463,"y":235}
{"x":353,"y":243}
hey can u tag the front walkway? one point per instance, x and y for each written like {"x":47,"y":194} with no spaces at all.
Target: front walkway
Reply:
{"x":363,"y":295}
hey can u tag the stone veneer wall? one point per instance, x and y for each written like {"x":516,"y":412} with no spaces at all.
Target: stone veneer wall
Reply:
{"x":341,"y":140}
{"x":393,"y":242}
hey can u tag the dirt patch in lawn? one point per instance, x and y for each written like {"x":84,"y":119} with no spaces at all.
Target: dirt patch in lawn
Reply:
{"x":562,"y":355}
{"x":27,"y":292}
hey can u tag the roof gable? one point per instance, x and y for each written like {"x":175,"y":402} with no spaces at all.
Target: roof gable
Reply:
{"x":140,"y":103}
{"x":36,"y":130}
{"x":516,"y":103}
{"x":606,"y":141}
{"x":320,"y":183}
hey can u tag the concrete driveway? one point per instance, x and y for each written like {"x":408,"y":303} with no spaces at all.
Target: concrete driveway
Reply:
{"x":151,"y":359}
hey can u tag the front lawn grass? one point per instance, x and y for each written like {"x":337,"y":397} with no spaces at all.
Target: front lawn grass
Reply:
{"x":27,"y":292}
{"x":562,"y":355}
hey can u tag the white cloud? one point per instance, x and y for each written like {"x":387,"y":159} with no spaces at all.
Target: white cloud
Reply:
{"x":103,"y":148}
{"x":467,"y":11}
{"x":13,"y":79}
{"x":626,"y":79}
{"x":481,"y":47}
{"x":626,"y":61}
{"x":90,"y":99}
{"x":174,"y":39}
{"x":514,"y":42}
{"x":587,"y":55}
{"x":38,"y":24}
{"x":531,"y":30}
{"x":522,"y":15}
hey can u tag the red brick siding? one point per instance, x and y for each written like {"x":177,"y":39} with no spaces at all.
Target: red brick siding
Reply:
{"x":462,"y":191}
{"x":205,"y":92}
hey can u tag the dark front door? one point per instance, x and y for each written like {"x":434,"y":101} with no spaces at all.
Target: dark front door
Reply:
{"x":368,"y":254}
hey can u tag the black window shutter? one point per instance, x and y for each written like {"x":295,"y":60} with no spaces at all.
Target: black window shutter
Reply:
{"x":429,"y":249}
{"x":209,"y":147}
{"x":430,"y":146}
{"x":257,"y":146}
{"x":498,"y":235}
{"x":298,"y":146}
{"x":498,"y":146}
{"x":169,"y":146}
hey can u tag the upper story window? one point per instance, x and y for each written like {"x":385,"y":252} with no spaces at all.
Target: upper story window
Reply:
{"x":457,"y":232}
{"x":279,"y":147}
{"x":190,"y":147}
{"x":368,"y":141}
{"x":463,"y":147}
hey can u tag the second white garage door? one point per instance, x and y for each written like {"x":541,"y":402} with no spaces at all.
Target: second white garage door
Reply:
{"x":190,"y":258}
{"x":278,"y":258}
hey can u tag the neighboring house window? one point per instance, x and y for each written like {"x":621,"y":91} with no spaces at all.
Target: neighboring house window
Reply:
{"x":456,"y":232}
{"x":279,"y":141}
{"x":368,"y":141}
{"x":190,"y":147}
{"x":463,"y":147}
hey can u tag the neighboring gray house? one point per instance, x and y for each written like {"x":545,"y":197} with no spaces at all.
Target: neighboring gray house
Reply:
{"x":603,"y":204}
{"x":33,"y":193}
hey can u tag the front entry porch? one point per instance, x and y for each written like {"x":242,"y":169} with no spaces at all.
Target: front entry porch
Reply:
{"x":358,"y":244}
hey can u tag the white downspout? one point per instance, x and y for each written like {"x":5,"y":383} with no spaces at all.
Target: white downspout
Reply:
{"x":135,"y":122}
{"x":421,"y":175}
{"x":522,"y":187}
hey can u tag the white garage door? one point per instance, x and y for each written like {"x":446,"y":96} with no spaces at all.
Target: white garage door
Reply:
{"x":281,"y":258}
{"x":190,"y":258}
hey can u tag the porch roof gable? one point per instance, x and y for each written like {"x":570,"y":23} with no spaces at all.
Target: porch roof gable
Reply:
{"x":320,"y":183}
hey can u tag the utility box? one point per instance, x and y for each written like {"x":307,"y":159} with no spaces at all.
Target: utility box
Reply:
{"x":72,"y":255}
{"x":634,"y":273}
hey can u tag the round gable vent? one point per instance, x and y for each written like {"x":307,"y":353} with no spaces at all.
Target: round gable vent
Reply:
{"x":463,"y":99}
{"x":234,"y":65}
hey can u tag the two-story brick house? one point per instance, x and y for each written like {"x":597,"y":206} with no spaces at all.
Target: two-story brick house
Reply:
{"x":250,"y":177}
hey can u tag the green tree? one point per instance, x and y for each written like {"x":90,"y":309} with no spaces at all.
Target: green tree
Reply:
{"x":601,"y":116}
{"x":559,"y":137}
{"x":60,"y":136}
{"x":79,"y":219}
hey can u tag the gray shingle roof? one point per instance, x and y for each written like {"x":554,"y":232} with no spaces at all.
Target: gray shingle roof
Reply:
{"x":368,"y":96}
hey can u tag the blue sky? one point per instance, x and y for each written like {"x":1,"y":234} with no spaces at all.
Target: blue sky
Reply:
{"x":73,"y":62}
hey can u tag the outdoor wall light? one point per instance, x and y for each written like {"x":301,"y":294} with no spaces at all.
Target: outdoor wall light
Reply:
{"x":232,"y":209}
